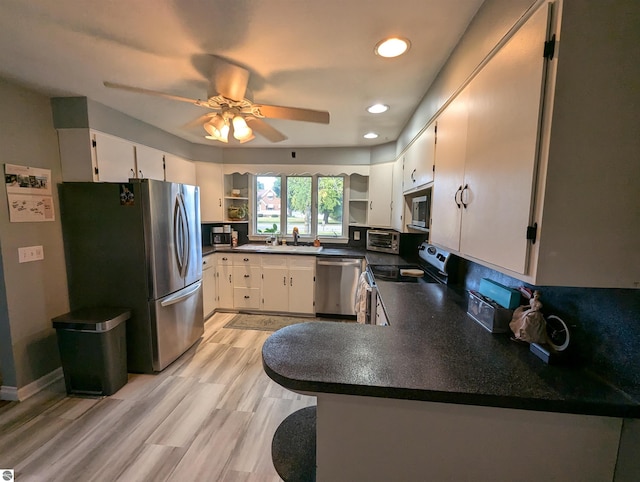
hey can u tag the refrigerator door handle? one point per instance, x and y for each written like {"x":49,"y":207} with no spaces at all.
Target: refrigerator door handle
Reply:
{"x":182,"y":295}
{"x":181,"y":235}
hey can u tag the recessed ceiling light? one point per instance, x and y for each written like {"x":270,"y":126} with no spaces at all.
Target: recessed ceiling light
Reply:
{"x":392,"y":47}
{"x":371,"y":135}
{"x":377,"y":108}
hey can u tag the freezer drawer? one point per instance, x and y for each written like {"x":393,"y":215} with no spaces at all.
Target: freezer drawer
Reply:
{"x":177,"y":322}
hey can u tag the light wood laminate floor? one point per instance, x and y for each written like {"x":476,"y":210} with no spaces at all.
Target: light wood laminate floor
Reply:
{"x":210,"y":416}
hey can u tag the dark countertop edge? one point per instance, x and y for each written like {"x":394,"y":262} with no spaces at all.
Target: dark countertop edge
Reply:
{"x":326,"y":251}
{"x":496,"y":401}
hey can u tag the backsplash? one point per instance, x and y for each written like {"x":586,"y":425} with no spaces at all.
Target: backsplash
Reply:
{"x":604,"y":323}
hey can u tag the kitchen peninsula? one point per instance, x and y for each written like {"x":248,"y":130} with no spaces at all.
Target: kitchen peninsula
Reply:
{"x":434,"y":393}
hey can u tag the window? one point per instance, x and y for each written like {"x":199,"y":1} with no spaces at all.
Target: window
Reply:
{"x":330,"y":201}
{"x":313,"y":204}
{"x":268,"y":204}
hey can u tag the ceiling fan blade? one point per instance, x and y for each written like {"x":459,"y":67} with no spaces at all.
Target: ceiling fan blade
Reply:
{"x":198,"y":122}
{"x":294,"y":113}
{"x":264,"y":129}
{"x":140,"y":90}
{"x":228,"y":80}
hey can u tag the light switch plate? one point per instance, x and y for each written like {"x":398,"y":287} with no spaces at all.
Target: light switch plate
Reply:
{"x":30,"y":253}
{"x":356,"y":235}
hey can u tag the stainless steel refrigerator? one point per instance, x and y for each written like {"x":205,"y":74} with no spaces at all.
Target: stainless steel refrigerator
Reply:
{"x":138,"y":245}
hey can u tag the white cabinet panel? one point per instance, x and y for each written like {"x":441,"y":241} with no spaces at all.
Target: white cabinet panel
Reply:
{"x":418,"y":160}
{"x":288,"y":284}
{"x":487,"y":152}
{"x":211,"y":181}
{"x":177,"y":169}
{"x":502,"y":138}
{"x":114,"y":158}
{"x":149,"y":163}
{"x":225,"y":283}
{"x":397,"y":198}
{"x":380,"y":189}
{"x":209,"y":301}
{"x":448,"y":180}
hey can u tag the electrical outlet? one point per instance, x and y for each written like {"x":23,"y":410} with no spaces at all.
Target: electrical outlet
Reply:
{"x":30,"y":253}
{"x":356,"y":235}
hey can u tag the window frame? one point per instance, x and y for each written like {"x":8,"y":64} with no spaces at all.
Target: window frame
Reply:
{"x":253,"y":226}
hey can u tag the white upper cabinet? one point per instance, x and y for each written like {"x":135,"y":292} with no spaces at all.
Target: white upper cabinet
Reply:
{"x":485,"y":170}
{"x":149,"y":163}
{"x":448,"y":177}
{"x":211,"y":181}
{"x":397,"y":197}
{"x":418,"y":160}
{"x":114,"y":158}
{"x":177,"y":169}
{"x":380,"y":189}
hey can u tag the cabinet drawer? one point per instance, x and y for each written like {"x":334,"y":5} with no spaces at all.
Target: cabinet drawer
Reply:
{"x":246,"y":298}
{"x":247,"y":276}
{"x":246,"y":259}
{"x":225,"y":259}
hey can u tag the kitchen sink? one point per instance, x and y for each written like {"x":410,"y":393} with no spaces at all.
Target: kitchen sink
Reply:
{"x":285,"y":248}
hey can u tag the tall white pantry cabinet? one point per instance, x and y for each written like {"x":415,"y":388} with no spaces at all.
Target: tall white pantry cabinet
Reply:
{"x":536,"y":160}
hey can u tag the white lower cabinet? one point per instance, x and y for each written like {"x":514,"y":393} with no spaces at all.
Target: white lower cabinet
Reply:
{"x":224,"y":277}
{"x":288,"y":284}
{"x":246,"y":285}
{"x":209,"y":302}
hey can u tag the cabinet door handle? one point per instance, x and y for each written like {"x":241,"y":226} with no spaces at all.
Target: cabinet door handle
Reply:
{"x":370,"y":205}
{"x":246,"y":297}
{"x":455,"y":197}
{"x":133,"y":173}
{"x":284,"y":280}
{"x":229,"y":278}
{"x":225,"y":259}
{"x":246,"y":259}
{"x":291,"y":281}
{"x":220,"y":201}
{"x":412,"y":173}
{"x":466,"y":186}
{"x":141,"y":175}
{"x":246,"y":275}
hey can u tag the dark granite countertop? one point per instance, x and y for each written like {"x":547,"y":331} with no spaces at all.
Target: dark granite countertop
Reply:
{"x":325,"y":251}
{"x":433,"y":351}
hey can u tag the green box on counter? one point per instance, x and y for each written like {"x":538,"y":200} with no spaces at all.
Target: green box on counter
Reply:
{"x":506,"y":297}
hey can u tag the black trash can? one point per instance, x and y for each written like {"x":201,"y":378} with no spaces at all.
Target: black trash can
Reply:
{"x":93,"y":349}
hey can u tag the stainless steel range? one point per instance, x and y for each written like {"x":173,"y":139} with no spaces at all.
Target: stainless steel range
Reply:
{"x":431,"y":268}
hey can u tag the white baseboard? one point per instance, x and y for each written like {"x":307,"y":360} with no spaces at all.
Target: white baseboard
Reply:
{"x":20,"y":394}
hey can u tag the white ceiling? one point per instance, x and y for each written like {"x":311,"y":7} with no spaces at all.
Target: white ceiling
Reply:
{"x":300,"y":53}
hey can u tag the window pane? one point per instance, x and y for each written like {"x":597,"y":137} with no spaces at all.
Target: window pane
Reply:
{"x":299,"y":204}
{"x":268,"y":204}
{"x":330,"y":198}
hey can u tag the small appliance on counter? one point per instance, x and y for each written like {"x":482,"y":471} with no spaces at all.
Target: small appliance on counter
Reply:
{"x":383,"y":241}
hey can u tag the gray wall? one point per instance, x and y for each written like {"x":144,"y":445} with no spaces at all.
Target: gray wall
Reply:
{"x":31,"y":293}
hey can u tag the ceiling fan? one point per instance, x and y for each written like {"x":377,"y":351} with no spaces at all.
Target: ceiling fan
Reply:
{"x":232,"y":111}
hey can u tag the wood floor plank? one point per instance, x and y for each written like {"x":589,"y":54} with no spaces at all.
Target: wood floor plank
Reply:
{"x":209,"y":416}
{"x":209,"y":454}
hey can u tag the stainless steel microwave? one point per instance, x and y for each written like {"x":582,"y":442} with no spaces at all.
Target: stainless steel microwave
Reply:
{"x":420,"y":212}
{"x":384,"y":241}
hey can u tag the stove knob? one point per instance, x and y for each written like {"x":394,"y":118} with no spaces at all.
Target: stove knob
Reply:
{"x":431,"y":250}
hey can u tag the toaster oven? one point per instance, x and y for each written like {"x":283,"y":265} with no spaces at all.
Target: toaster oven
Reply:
{"x":384,"y":241}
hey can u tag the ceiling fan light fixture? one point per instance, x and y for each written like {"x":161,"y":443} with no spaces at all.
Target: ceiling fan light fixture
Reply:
{"x":241,"y":130}
{"x":377,"y":108}
{"x":370,"y":135}
{"x":392,"y":47}
{"x":217,"y":128}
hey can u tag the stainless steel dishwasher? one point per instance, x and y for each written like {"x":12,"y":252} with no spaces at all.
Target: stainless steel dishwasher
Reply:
{"x":336,"y":284}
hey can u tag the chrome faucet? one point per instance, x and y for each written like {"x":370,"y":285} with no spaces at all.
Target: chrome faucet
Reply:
{"x":295,"y":236}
